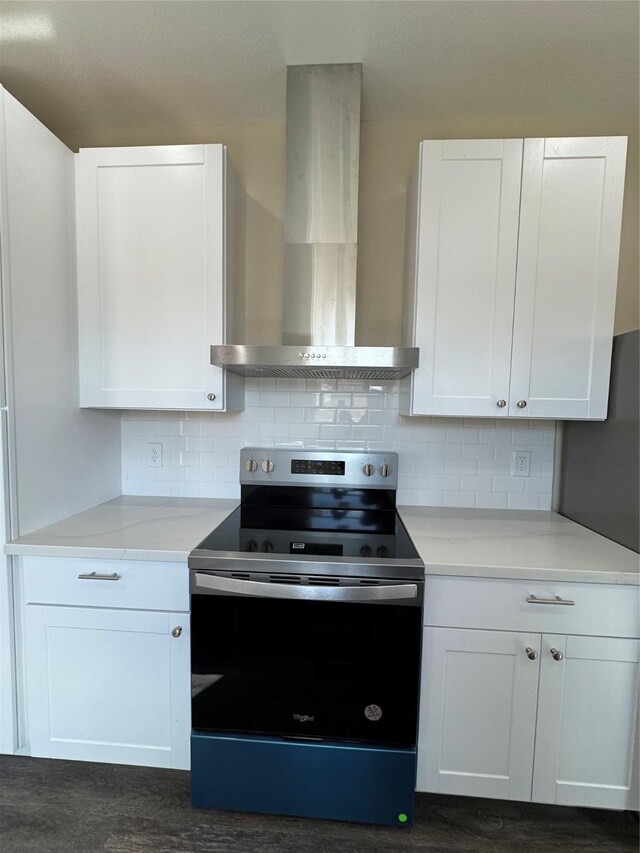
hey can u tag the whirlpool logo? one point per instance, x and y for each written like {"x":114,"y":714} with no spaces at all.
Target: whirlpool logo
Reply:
{"x":304,"y":718}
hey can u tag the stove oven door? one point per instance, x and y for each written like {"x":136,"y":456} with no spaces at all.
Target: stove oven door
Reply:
{"x":319,"y":680}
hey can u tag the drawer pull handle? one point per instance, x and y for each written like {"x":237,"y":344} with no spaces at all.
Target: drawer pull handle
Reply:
{"x":93,"y":576}
{"x":532,"y":654}
{"x":533,"y":599}
{"x":556,"y":654}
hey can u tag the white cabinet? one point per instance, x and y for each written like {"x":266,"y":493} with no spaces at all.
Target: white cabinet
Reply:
{"x":521,"y":715}
{"x":105,"y":679}
{"x":586,"y":720}
{"x":478,"y":713}
{"x":510,"y":276}
{"x":160,"y":276}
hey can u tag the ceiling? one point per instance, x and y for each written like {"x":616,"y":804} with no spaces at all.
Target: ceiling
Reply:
{"x":188,"y":64}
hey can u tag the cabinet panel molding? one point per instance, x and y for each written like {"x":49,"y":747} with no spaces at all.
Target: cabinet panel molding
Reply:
{"x":108,"y":685}
{"x":478,"y":713}
{"x":510,"y":274}
{"x":468,"y":196}
{"x":155,"y":262}
{"x":568,"y":247}
{"x":587,"y":709}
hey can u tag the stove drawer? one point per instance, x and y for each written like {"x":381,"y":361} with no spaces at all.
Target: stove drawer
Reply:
{"x":128,"y":584}
{"x":540,"y":606}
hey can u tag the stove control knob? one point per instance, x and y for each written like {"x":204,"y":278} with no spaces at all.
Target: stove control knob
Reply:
{"x":382,"y":551}
{"x":251,"y":465}
{"x":385,"y":469}
{"x":368,"y":469}
{"x":251,"y":545}
{"x":365,"y":551}
{"x":267,"y":466}
{"x":267,"y":547}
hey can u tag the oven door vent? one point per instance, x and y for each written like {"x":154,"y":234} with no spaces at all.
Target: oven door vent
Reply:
{"x":290,"y":579}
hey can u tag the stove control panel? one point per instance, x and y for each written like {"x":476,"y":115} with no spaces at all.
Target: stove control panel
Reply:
{"x":295,"y":467}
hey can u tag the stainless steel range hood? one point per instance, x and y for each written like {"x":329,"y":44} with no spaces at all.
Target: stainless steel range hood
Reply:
{"x":321,"y":226}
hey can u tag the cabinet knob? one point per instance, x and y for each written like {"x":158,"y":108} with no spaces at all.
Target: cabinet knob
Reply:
{"x":532,"y":654}
{"x":556,"y":654}
{"x":501,"y":404}
{"x":521,"y":404}
{"x":176,"y":631}
{"x":212,"y":397}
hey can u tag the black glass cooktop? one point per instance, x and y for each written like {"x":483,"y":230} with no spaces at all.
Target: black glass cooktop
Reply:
{"x":328,"y":522}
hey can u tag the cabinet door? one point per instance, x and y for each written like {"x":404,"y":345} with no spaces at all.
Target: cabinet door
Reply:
{"x":572,"y":192}
{"x":150,"y":224}
{"x":477,"y":713}
{"x":108,"y":685}
{"x":467,"y":234}
{"x":586,"y":721}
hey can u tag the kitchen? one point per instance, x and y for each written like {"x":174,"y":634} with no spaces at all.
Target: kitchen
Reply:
{"x":173,"y":459}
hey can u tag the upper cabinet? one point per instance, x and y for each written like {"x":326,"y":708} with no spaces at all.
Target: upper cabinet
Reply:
{"x":510,"y":276}
{"x":160,"y":242}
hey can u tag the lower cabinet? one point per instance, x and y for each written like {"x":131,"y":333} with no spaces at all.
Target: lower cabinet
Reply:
{"x":106,"y":684}
{"x":478,"y":713}
{"x":543,"y":717}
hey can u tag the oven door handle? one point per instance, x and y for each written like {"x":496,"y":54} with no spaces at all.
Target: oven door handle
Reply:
{"x":234,"y":586}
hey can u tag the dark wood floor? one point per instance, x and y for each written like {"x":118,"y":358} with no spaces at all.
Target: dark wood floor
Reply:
{"x":72,"y":807}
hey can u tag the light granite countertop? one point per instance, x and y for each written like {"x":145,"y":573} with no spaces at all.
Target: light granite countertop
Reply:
{"x":129,"y":528}
{"x":471,"y":542}
{"x":531,"y":545}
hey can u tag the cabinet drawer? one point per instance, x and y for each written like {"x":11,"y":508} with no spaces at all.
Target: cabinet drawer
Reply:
{"x":139,"y":584}
{"x":495,"y":604}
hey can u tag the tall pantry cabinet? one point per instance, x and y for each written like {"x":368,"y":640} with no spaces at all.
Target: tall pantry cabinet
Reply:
{"x":58,"y":460}
{"x":510,"y":276}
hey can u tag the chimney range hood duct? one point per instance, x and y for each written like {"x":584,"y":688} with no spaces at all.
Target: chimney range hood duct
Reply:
{"x":321,"y":226}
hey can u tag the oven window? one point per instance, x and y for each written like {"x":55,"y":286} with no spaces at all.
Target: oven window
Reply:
{"x":305,"y":669}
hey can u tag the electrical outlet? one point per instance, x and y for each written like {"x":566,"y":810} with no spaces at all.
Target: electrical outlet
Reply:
{"x":154,"y":455}
{"x":521,"y":463}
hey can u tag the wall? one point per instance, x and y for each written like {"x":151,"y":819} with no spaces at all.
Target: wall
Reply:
{"x":388,"y":150}
{"x":431,"y":449}
{"x":388,"y":153}
{"x":443,"y":461}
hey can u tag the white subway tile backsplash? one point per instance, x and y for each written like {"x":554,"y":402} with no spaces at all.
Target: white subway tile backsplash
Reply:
{"x":274,"y":398}
{"x":476,"y":484}
{"x":303,"y":431}
{"x":459,"y":466}
{"x":513,"y":485}
{"x":538,"y":485}
{"x":320,"y":416}
{"x":304,"y":398}
{"x":523,"y":501}
{"x":444,"y":450}
{"x":465,"y":435}
{"x":462,"y":462}
{"x":492,"y":500}
{"x":335,"y":431}
{"x":460,"y":499}
{"x":477,"y":451}
{"x":287,"y":415}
